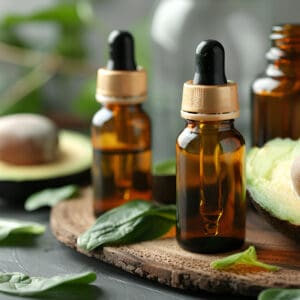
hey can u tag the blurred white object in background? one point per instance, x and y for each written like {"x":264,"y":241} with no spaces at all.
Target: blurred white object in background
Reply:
{"x":177,"y":27}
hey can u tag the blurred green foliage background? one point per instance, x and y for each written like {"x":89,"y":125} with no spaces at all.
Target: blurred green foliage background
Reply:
{"x":35,"y":73}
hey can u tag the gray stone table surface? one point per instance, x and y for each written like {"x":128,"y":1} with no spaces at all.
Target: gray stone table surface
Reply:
{"x":46,"y":257}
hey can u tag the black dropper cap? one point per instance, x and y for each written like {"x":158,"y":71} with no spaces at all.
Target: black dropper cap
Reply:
{"x":210,"y":57}
{"x":121,"y":51}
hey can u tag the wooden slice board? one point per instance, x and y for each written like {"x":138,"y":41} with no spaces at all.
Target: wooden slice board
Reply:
{"x":163,"y":261}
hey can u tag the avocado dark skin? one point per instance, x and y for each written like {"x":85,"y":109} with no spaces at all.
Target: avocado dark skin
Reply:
{"x":286,"y":228}
{"x":16,"y":192}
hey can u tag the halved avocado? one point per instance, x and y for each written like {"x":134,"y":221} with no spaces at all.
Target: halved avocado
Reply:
{"x":72,"y":166}
{"x":270,"y":184}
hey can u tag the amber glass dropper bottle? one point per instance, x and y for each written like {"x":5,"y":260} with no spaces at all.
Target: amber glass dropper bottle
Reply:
{"x":121,"y":130}
{"x":210,"y":159}
{"x":276,"y":93}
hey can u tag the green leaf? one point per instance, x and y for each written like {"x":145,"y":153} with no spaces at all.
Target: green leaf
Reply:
{"x":10,"y":36}
{"x":70,"y":19}
{"x":24,"y":285}
{"x":280,"y":294}
{"x":70,"y":43}
{"x":50,"y":197}
{"x":31,"y":103}
{"x":142,"y":35}
{"x":65,"y":14}
{"x":149,"y":228}
{"x":132,"y":222}
{"x":167,"y":167}
{"x":118,"y":221}
{"x":86,"y":105}
{"x":17,"y":227}
{"x":163,"y":211}
{"x":247,"y":257}
{"x":124,"y":213}
{"x":119,"y":235}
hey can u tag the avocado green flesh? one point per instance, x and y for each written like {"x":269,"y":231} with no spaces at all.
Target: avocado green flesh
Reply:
{"x":72,"y":167}
{"x":75,"y":155}
{"x":269,"y":180}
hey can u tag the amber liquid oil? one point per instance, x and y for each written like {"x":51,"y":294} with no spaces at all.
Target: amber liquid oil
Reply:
{"x":123,"y":176}
{"x":122,"y":156}
{"x":210,"y":187}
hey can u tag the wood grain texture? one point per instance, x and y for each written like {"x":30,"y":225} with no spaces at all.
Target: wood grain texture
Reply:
{"x":163,"y":261}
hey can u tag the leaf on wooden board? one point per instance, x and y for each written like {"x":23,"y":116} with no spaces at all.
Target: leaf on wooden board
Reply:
{"x":247,"y":257}
{"x":132,"y":222}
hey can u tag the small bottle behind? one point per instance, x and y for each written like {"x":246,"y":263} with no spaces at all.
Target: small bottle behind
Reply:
{"x":276,"y":93}
{"x":121,"y":130}
{"x":210,"y":155}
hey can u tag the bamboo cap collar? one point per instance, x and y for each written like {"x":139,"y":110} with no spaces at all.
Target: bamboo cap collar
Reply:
{"x":210,"y":102}
{"x":122,"y":87}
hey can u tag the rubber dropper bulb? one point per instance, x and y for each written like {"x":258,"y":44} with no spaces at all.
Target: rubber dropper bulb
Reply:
{"x":121,"y":51}
{"x":210,"y":70}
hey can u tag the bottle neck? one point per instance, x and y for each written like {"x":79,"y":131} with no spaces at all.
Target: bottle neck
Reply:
{"x":286,"y":40}
{"x":284,"y":55}
{"x":284,"y":68}
{"x":200,"y":126}
{"x":127,"y":107}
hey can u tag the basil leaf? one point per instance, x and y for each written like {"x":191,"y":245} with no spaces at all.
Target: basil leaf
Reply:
{"x":164,"y":211}
{"x":124,"y":213}
{"x":24,"y":285}
{"x":149,"y":228}
{"x":247,"y":257}
{"x":11,"y":226}
{"x":279,"y":294}
{"x":95,"y":238}
{"x":132,"y":222}
{"x":167,"y":167}
{"x":50,"y":197}
{"x":138,"y":230}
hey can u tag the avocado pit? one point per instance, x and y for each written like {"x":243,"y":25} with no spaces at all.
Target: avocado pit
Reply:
{"x":27,"y":139}
{"x":54,"y":159}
